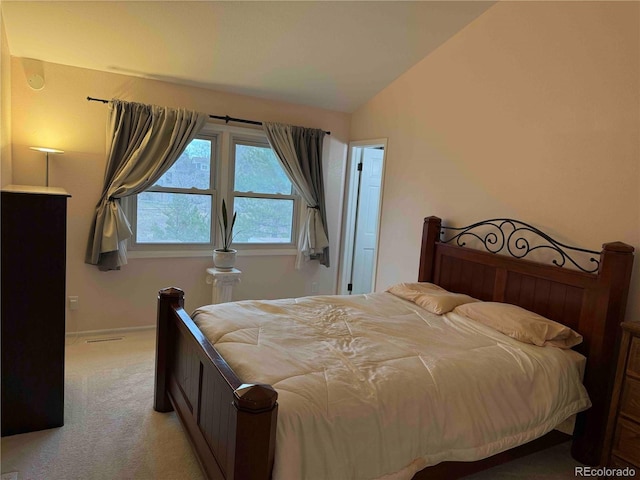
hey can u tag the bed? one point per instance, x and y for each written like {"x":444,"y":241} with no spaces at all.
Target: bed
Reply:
{"x":231,"y":418}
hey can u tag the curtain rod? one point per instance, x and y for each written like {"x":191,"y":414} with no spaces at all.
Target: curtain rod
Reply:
{"x":226,"y":118}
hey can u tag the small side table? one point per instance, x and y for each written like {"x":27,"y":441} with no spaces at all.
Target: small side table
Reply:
{"x":223,"y":282}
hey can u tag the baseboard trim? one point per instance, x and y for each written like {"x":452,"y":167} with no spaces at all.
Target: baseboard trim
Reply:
{"x":109,"y":331}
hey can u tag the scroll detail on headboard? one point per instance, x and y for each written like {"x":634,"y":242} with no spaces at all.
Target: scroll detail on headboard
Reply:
{"x":515,"y":238}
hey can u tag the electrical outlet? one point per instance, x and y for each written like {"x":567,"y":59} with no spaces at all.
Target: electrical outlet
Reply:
{"x":73,"y":305}
{"x":9,"y":476}
{"x":314,"y":287}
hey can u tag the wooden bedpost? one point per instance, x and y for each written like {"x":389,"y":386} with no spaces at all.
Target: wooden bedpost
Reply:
{"x":616,"y":262}
{"x":256,"y":413}
{"x":430,"y":235}
{"x":167,"y":299}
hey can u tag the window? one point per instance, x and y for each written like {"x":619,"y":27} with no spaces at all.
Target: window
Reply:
{"x":177,"y":209}
{"x":179,"y":212}
{"x":263,"y":195}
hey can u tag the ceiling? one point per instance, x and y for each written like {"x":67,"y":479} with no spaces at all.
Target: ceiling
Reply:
{"x":330,"y":54}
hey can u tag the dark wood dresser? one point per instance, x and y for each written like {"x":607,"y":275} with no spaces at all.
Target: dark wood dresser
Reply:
{"x":33,"y":269}
{"x":622,"y":440}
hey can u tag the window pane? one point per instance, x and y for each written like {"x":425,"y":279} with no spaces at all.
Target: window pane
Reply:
{"x":191,"y":170}
{"x":263,"y":220}
{"x":258,"y":170}
{"x":173,"y":218}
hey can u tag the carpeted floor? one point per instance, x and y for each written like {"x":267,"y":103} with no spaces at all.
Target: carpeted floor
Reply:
{"x":112,"y":432}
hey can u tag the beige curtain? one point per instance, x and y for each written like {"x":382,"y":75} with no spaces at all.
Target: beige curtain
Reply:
{"x":143,"y":141}
{"x":299,"y":150}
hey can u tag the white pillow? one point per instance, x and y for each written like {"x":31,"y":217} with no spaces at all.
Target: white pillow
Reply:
{"x":521,"y":324}
{"x":430,"y":296}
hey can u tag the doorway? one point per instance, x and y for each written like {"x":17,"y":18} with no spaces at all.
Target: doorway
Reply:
{"x":365,"y":174}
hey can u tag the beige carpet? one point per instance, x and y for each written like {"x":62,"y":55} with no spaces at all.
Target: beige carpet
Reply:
{"x":111,"y":431}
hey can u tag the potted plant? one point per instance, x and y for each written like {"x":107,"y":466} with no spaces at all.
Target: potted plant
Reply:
{"x":224,"y":258}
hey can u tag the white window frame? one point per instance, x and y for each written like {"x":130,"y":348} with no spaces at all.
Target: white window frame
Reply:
{"x":222,"y":172}
{"x":261,"y":141}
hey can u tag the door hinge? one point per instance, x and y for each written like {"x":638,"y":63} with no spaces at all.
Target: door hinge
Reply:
{"x":360,"y":167}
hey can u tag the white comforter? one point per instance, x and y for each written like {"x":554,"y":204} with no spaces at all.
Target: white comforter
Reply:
{"x":373,"y":386}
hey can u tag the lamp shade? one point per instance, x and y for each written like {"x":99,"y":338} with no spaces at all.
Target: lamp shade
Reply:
{"x":47,"y":150}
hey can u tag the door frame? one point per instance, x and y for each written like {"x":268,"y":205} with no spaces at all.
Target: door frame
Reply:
{"x":349,"y":214}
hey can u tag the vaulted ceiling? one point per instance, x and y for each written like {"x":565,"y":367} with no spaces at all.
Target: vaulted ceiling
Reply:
{"x":330,"y":54}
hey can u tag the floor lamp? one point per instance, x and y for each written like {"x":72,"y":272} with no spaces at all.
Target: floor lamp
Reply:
{"x":47,"y":151}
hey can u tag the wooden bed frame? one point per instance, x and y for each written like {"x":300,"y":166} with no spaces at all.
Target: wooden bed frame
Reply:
{"x":232,"y":425}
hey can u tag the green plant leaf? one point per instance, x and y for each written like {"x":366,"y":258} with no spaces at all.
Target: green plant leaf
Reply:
{"x":226,"y":230}
{"x":224,"y":214}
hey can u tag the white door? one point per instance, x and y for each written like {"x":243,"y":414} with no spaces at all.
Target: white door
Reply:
{"x":363,"y":217}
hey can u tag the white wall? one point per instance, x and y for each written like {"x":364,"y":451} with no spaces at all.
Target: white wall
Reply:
{"x":533,"y":112}
{"x":59,"y":116}
{"x":5,"y":108}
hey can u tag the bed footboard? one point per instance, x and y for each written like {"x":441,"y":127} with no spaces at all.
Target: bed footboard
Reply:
{"x":231,"y":424}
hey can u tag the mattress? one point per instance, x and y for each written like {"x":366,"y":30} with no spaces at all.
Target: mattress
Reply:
{"x":374,"y":386}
